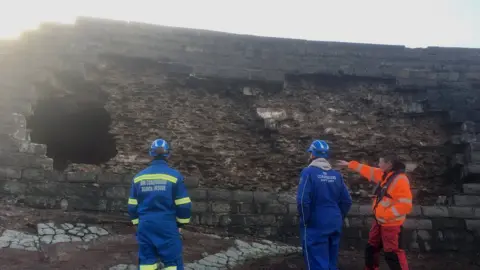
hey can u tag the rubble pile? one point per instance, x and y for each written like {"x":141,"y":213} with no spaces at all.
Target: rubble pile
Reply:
{"x":254,"y":137}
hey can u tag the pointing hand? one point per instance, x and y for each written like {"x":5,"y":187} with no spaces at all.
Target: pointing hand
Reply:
{"x":342,"y":163}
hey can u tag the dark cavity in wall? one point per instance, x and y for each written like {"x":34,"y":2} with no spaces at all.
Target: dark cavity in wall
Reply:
{"x":73,"y":132}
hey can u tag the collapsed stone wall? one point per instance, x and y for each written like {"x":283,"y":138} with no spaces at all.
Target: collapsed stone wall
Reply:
{"x":241,"y":110}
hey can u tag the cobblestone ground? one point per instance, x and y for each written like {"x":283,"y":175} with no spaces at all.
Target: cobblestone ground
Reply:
{"x":43,"y":239}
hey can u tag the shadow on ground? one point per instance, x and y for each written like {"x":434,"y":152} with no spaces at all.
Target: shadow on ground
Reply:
{"x":351,"y":260}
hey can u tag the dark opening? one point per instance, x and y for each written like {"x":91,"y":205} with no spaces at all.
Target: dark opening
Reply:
{"x":73,"y":132}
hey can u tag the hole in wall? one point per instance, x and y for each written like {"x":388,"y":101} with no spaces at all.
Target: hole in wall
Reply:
{"x":73,"y":132}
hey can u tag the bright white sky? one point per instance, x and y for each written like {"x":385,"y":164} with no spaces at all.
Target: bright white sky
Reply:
{"x":414,"y":23}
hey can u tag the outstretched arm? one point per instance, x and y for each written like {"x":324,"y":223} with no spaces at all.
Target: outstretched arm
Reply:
{"x":372,"y":174}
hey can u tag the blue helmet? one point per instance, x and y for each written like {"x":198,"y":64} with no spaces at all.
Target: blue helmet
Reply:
{"x":319,"y":148}
{"x":159,"y":147}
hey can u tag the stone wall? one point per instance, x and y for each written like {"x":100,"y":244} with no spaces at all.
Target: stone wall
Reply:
{"x":255,"y":213}
{"x":209,"y":93}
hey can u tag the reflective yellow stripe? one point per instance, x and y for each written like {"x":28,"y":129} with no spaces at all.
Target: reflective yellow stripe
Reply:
{"x":183,"y":201}
{"x":148,"y":267}
{"x":405,"y":200}
{"x":372,"y":174}
{"x":381,"y":220}
{"x":170,"y":268}
{"x":385,"y":203}
{"x":359,"y":168}
{"x":132,"y":201}
{"x":183,"y":220}
{"x":395,"y":211}
{"x":156,"y":176}
{"x":135,"y":221}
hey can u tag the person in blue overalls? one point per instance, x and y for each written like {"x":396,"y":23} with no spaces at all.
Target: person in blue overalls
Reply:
{"x":159,"y":206}
{"x":323,"y":201}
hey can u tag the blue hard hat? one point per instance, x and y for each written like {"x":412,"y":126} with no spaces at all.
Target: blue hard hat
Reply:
{"x":159,"y":144}
{"x":319,"y":148}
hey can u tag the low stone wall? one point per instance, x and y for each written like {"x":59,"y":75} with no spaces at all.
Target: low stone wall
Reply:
{"x":261,"y":214}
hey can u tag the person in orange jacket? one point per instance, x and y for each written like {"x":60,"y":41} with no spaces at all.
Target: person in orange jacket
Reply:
{"x":392,"y":202}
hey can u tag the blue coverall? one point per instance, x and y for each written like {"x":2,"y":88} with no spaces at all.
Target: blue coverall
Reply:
{"x":323,"y":201}
{"x":158,"y":203}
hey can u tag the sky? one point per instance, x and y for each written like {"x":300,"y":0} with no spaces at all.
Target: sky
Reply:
{"x":413,"y":23}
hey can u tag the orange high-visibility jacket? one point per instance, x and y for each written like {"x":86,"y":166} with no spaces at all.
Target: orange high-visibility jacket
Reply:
{"x":393,"y":208}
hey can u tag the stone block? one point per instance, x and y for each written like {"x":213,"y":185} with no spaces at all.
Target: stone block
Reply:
{"x":242,"y":196}
{"x":195,"y":219}
{"x":209,"y":219}
{"x":225,"y":220}
{"x":292,"y":209}
{"x":8,"y":159}
{"x":110,"y":178}
{"x":198,"y":194}
{"x":352,"y":233}
{"x":473,"y":225}
{"x":261,"y":220}
{"x":354,"y":222}
{"x":33,"y":148}
{"x":286,"y":198}
{"x":47,"y":189}
{"x":10,"y":172}
{"x":448,"y":223}
{"x":8,"y":143}
{"x":461,"y":212}
{"x":54,"y":176}
{"x":472,"y":76}
{"x":192,"y":181}
{"x":102,"y":205}
{"x":85,"y":204}
{"x":365,"y":210}
{"x":471,"y":189}
{"x":416,"y":211}
{"x":273,"y":208}
{"x":13,"y":187}
{"x":418,"y":224}
{"x":466,"y":200}
{"x":435,"y":211}
{"x":238,"y":220}
{"x":247,"y":208}
{"x":82,"y":177}
{"x":42,"y":202}
{"x":220,"y":207}
{"x":33,"y":174}
{"x":354,"y":210}
{"x":117,"y":192}
{"x":264,"y":197}
{"x":424,"y":235}
{"x":128,"y":178}
{"x":286,"y":221}
{"x":219,"y":195}
{"x":200,"y":207}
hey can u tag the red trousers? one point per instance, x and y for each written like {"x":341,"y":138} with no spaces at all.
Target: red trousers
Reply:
{"x":388,"y":238}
